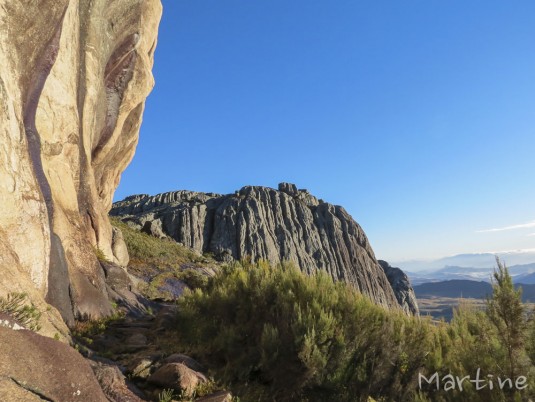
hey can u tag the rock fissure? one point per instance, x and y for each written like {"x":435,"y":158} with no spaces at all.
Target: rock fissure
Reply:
{"x":32,"y":390}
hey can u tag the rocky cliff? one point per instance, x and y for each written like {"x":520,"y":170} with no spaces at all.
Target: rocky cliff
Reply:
{"x":263,"y":223}
{"x":402,"y":287}
{"x":74,"y":78}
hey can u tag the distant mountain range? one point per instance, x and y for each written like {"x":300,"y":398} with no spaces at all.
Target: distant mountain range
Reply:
{"x":466,"y":289}
{"x":474,"y":267}
{"x":475,"y":260}
{"x":520,"y":273}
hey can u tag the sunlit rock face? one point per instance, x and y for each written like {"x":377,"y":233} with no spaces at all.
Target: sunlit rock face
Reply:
{"x":73,"y":82}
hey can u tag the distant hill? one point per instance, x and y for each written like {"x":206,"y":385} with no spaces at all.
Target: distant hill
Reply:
{"x":522,"y":273}
{"x":466,"y":289}
{"x":474,"y":260}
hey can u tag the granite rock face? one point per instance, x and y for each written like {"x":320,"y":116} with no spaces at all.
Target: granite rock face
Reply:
{"x":264,"y":223}
{"x":402,"y":288}
{"x":74,"y":78}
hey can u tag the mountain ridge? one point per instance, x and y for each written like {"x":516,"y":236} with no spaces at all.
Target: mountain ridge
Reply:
{"x":263,"y":223}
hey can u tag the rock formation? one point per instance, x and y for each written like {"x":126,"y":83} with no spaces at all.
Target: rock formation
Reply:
{"x":402,"y":287}
{"x":37,"y":368}
{"x":263,"y":223}
{"x":74,"y":78}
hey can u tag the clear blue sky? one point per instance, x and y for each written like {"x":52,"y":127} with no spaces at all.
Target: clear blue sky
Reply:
{"x":417,"y":116}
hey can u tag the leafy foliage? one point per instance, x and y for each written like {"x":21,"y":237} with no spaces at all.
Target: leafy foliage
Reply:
{"x":273,"y":333}
{"x":506,"y":312}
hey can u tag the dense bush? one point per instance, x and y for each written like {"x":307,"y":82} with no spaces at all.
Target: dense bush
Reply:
{"x":275,"y":333}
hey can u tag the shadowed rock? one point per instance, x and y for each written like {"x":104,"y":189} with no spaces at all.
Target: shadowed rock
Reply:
{"x":402,"y":287}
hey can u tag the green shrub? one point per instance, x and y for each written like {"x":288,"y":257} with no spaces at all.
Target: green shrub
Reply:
{"x":17,"y":306}
{"x":166,"y":395}
{"x":193,"y":278}
{"x":276,"y":333}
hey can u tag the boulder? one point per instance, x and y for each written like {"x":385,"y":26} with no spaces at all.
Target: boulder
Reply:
{"x":114,"y":384}
{"x":221,"y":396}
{"x":178,"y":377}
{"x":45,"y":368}
{"x":186,"y":360}
{"x":143,"y":367}
{"x":119,"y":249}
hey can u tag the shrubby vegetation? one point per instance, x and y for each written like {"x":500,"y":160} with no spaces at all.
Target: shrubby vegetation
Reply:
{"x":272,"y":333}
{"x":17,"y":306}
{"x":159,"y":260}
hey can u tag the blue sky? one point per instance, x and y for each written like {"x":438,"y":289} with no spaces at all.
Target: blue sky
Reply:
{"x":418,"y":117}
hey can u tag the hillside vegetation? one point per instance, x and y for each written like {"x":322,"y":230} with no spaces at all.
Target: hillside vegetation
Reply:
{"x":272,"y":333}
{"x":161,"y":263}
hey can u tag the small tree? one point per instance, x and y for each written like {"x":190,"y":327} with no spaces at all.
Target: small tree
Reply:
{"x":506,"y":311}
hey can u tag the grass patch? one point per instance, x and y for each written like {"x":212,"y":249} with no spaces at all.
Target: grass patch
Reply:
{"x":17,"y":306}
{"x":102,"y":257}
{"x":86,"y":330}
{"x":156,"y":260}
{"x":150,"y":250}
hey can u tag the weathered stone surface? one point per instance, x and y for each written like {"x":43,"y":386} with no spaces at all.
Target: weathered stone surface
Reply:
{"x":402,"y":287}
{"x":46,"y":368}
{"x":118,"y":247}
{"x":186,"y":360}
{"x":178,"y":377}
{"x":263,"y":223}
{"x":10,"y":391}
{"x":73,"y":82}
{"x":142,"y":367}
{"x":114,"y":384}
{"x":8,"y":321}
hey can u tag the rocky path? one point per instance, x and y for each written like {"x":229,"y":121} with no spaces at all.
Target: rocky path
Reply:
{"x":135,"y":359}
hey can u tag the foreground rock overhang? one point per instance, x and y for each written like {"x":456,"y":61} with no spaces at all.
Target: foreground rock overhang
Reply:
{"x":73,"y":82}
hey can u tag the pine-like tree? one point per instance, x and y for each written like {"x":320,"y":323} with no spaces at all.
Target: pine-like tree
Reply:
{"x":506,"y":311}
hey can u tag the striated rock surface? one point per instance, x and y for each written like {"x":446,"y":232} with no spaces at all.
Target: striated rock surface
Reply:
{"x":402,"y":287}
{"x":74,"y":78}
{"x":264,"y":223}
